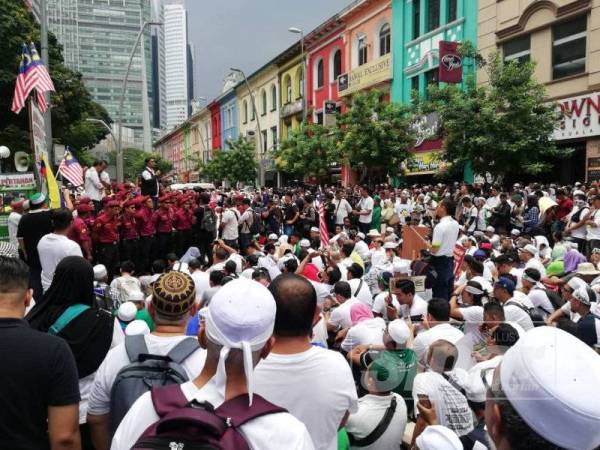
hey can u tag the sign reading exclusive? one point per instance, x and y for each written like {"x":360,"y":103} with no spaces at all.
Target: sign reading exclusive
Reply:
{"x":367,"y":75}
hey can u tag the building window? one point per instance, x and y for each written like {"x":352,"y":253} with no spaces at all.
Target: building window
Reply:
{"x":264,"y":141}
{"x":263,"y":102}
{"x":288,"y":89}
{"x":518,"y":49}
{"x":568,"y":47}
{"x":337,"y":65}
{"x":431,"y":79}
{"x":414,"y":83}
{"x":320,"y":118}
{"x":433,"y":14}
{"x":274,"y":137}
{"x":245,"y":111}
{"x":416,"y":18}
{"x":253,"y":116}
{"x":300,"y":83}
{"x":362,"y":50}
{"x":452,"y":11}
{"x":320,"y":74}
{"x":273,"y":98}
{"x":385,"y":40}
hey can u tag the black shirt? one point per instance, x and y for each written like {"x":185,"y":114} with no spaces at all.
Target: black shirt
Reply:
{"x":32,"y":227}
{"x":38,"y":370}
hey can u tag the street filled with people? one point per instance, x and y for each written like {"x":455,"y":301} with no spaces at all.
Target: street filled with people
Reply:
{"x":430,"y":316}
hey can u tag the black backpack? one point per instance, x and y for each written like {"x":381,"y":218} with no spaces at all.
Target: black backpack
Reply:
{"x":535,"y":316}
{"x":208,"y":222}
{"x":257,"y":226}
{"x":144,"y":372}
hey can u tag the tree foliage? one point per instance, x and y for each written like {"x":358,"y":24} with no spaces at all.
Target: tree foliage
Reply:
{"x":310,"y":150}
{"x":134,"y":162}
{"x":72,"y":102}
{"x":234,"y":164}
{"x":504,"y":127}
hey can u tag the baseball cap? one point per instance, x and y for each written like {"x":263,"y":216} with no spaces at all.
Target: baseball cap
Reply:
{"x":241,"y":316}
{"x":505,"y":283}
{"x":173,"y":294}
{"x":479,"y":254}
{"x":399,"y":331}
{"x":550,"y":379}
{"x":503,"y":259}
{"x":438,"y":437}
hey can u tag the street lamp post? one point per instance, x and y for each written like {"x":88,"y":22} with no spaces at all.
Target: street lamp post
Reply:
{"x":105,"y":125}
{"x":261,"y":174}
{"x":123,"y":90}
{"x":303,"y":56}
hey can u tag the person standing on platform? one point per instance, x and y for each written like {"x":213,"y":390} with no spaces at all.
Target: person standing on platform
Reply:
{"x":364,"y":210}
{"x":94,"y":188}
{"x":445,"y":235}
{"x":106,"y":229}
{"x":149,"y":181}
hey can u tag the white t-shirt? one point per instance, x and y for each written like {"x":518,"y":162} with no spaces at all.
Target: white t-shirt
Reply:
{"x":122,"y":287}
{"x":269,"y":263}
{"x":13,"y":225}
{"x":269,"y":432}
{"x":341,"y":211}
{"x":362,"y":294}
{"x":424,"y":339}
{"x":378,"y":257}
{"x":52,"y":248}
{"x":362,"y":249}
{"x":514,"y":313}
{"x":366,"y":204}
{"x":418,"y":308}
{"x":593,"y":233}
{"x":117,"y":358}
{"x":367,"y":332}
{"x":201,"y":282}
{"x":340,"y":316}
{"x":229,"y":220}
{"x":380,"y":305}
{"x":315,"y":386}
{"x":371,"y":409}
{"x":535,"y":263}
{"x":540,"y":301}
{"x":93,"y":188}
{"x":451,"y":406}
{"x":580,"y":232}
{"x":445,"y":235}
{"x":402,"y":209}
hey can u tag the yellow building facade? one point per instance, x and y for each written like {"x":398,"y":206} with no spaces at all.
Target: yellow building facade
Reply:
{"x":291,"y":87}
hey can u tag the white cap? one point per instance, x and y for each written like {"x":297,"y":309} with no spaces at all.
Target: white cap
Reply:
{"x":401,"y":267}
{"x":273,"y":237}
{"x":550,"y":377}
{"x":137,"y":327}
{"x":530,"y":248}
{"x":438,"y":437}
{"x":304,"y":243}
{"x":515,"y":232}
{"x":399,"y":331}
{"x":578,"y":192}
{"x":375,"y":233}
{"x":390,"y":245}
{"x":136,"y":296}
{"x":490,"y":229}
{"x":241,"y":316}
{"x":127,"y":312}
{"x":314,"y":230}
{"x":576,"y":283}
{"x":361,"y":235}
{"x":99,"y":272}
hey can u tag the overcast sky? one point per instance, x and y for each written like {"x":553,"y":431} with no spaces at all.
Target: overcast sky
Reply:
{"x":246,"y":34}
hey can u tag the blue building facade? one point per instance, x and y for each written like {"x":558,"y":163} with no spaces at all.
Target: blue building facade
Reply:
{"x":229,"y":118}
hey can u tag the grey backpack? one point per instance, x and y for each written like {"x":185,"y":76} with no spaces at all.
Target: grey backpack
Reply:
{"x":144,"y":372}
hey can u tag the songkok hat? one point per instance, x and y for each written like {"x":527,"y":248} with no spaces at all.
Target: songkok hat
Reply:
{"x":241,"y":316}
{"x":173,"y":294}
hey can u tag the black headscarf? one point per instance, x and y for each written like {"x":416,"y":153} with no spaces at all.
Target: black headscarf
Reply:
{"x":90,"y":334}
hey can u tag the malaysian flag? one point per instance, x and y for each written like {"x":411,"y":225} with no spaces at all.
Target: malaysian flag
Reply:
{"x":324,"y":234}
{"x":71,"y":169}
{"x":43,"y":81}
{"x":24,"y":83}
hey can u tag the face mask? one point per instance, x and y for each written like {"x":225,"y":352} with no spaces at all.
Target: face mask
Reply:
{"x":580,"y":202}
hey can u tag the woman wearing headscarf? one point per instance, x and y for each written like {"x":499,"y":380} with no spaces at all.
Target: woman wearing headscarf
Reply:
{"x":90,"y":334}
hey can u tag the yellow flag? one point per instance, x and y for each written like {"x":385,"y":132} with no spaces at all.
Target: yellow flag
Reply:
{"x":53,"y":191}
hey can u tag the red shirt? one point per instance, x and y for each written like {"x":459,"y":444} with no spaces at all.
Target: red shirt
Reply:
{"x":146,"y":221}
{"x":129,"y":227}
{"x":164,"y":220}
{"x":183,"y":219}
{"x":564,"y":207}
{"x":107,"y":228}
{"x":79,"y":231}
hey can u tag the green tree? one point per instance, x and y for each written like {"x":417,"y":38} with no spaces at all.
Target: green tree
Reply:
{"x":310,"y":150}
{"x":373,"y":135}
{"x":72,"y":103}
{"x":234,"y":164}
{"x":503,"y":127}
{"x":134,"y":162}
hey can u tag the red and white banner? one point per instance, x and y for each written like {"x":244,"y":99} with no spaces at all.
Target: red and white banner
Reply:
{"x":450,"y":62}
{"x":459,"y":256}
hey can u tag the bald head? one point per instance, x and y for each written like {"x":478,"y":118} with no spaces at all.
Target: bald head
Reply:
{"x":442,"y":356}
{"x":296,"y":301}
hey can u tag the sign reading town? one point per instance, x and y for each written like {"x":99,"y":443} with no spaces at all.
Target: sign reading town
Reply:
{"x":367,"y":75}
{"x":580,"y":117}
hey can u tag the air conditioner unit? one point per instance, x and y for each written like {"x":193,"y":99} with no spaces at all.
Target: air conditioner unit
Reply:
{"x":250,"y":133}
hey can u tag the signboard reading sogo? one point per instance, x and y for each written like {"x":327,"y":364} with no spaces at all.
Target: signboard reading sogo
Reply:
{"x":367,"y":75}
{"x":580,"y":117}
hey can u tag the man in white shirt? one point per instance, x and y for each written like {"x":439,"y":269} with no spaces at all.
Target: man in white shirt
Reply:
{"x":339,"y":317}
{"x":360,"y":288}
{"x":55,"y":246}
{"x":294,"y":363}
{"x":593,"y":226}
{"x":168,"y":333}
{"x":239,"y":323}
{"x":201,"y":279}
{"x":403,"y":207}
{"x":536,"y":293}
{"x":13,"y":221}
{"x":364,"y":210}
{"x":445,"y":235}
{"x":94,"y":188}
{"x":528,"y":255}
{"x":438,"y":327}
{"x":514,"y":311}
{"x":229,"y":224}
{"x":342,"y":208}
{"x":361,"y":247}
{"x":412,"y":306}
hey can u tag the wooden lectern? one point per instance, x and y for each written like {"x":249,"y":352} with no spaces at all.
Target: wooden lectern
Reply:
{"x":413,"y":241}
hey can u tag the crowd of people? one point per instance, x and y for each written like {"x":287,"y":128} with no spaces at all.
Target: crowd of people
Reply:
{"x":446,"y":316}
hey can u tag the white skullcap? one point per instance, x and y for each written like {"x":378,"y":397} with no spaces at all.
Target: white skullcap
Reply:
{"x":127,"y":312}
{"x":399,"y":331}
{"x":390,"y":245}
{"x":360,"y":234}
{"x":515,"y":232}
{"x":490,"y":229}
{"x":99,"y":272}
{"x":137,"y":327}
{"x":530,"y":248}
{"x":576,"y":282}
{"x":438,"y":437}
{"x":401,"y":267}
{"x":314,"y":230}
{"x":550,"y":378}
{"x":304,"y":243}
{"x":241,"y":316}
{"x":283,"y":239}
{"x":136,"y":296}
{"x":273,"y":237}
